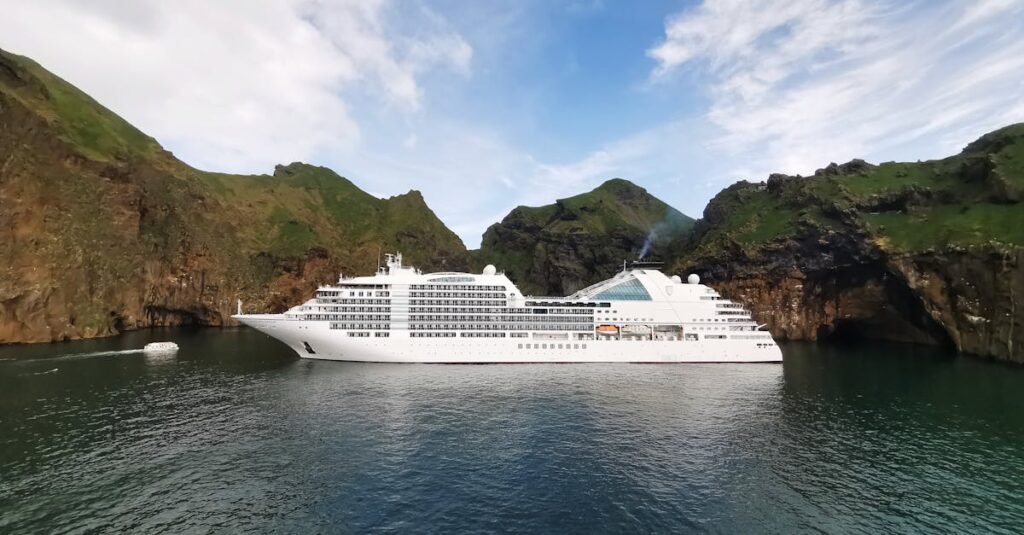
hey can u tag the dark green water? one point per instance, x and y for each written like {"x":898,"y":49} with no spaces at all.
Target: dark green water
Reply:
{"x":234,"y":433}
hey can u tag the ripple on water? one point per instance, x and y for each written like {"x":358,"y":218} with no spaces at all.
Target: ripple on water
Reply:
{"x":234,"y":433}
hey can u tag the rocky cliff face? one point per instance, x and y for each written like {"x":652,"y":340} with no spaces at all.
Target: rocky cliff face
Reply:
{"x":927,"y":252}
{"x":559,"y":248}
{"x":101,"y":230}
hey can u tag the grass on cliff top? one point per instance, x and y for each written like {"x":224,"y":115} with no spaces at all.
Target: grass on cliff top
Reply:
{"x":615,"y":205}
{"x":302,"y":206}
{"x":944,"y":225}
{"x":893,"y":176}
{"x":1010,"y":164}
{"x":93,"y":130}
{"x":758,"y":219}
{"x":764,"y":219}
{"x":959,"y":203}
{"x":970,"y":219}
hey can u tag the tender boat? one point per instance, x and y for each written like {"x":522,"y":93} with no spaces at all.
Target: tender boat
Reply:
{"x":160,"y":347}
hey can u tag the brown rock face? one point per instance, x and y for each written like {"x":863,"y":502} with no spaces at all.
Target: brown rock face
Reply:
{"x":974,"y":295}
{"x":798,"y":307}
{"x":967,"y":300}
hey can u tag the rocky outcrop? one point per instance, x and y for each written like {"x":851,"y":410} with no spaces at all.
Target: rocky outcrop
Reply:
{"x":560,"y":248}
{"x":927,"y":252}
{"x":966,"y":300}
{"x":973,"y":294}
{"x":101,"y":230}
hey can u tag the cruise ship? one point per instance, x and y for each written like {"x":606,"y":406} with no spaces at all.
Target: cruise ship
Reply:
{"x":403,"y":315}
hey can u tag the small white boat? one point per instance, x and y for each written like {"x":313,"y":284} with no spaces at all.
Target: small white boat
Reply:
{"x":160,"y":347}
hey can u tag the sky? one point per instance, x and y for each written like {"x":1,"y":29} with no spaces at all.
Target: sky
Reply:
{"x":486,"y":105}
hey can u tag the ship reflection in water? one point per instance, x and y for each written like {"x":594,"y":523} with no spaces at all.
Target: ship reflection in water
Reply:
{"x":234,"y":433}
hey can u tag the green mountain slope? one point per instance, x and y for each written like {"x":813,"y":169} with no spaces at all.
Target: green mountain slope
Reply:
{"x":102,"y":230}
{"x":561,"y":247}
{"x":968,"y":199}
{"x":924,"y":252}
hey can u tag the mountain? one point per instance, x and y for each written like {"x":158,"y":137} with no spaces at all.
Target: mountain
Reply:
{"x":559,"y":248}
{"x":102,"y":230}
{"x":929,"y":252}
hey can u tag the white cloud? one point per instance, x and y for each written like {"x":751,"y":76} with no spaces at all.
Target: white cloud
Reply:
{"x":796,"y":83}
{"x":390,"y":95}
{"x":235,"y":85}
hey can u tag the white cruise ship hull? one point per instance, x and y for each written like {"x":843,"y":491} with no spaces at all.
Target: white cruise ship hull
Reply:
{"x":399,"y":347}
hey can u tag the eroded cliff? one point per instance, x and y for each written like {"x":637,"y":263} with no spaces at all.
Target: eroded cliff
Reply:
{"x":559,"y":248}
{"x":101,"y":230}
{"x":926,"y":252}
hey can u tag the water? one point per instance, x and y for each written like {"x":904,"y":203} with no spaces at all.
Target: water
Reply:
{"x":235,"y":433}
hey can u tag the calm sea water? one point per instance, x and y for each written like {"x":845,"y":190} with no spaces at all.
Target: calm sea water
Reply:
{"x":235,"y":433}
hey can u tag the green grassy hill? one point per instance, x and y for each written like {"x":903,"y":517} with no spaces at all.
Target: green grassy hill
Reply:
{"x":923,"y":251}
{"x":969,"y":199}
{"x":561,"y":247}
{"x":102,"y":230}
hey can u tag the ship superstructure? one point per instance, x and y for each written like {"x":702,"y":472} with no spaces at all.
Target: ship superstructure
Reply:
{"x":402,"y":315}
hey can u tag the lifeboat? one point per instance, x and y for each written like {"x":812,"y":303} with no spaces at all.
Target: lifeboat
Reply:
{"x":160,"y":347}
{"x":607,"y":329}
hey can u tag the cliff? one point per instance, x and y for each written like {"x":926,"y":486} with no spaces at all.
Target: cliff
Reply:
{"x":926,"y":252}
{"x":101,"y":230}
{"x":559,"y":248}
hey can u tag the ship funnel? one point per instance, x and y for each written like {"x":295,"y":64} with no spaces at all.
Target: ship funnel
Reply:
{"x":646,"y":264}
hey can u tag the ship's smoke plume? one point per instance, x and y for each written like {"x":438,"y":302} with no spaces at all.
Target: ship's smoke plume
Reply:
{"x":667,"y":227}
{"x":651,"y":236}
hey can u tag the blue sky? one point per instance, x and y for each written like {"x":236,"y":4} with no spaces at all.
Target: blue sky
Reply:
{"x":483,"y":106}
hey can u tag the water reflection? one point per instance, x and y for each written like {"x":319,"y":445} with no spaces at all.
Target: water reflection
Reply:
{"x":235,"y":433}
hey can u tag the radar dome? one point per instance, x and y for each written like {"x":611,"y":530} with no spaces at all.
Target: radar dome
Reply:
{"x":693,"y":279}
{"x":676,"y":279}
{"x":489,"y":269}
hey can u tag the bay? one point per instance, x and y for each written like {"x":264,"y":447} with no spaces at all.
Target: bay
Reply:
{"x":235,"y":433}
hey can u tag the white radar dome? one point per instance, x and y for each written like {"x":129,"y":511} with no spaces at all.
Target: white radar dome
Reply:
{"x":676,"y":279}
{"x":693,"y":279}
{"x":489,"y":269}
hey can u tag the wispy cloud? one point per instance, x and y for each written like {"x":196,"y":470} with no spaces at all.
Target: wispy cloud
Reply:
{"x":468,"y":103}
{"x":236,"y":85}
{"x":796,"y":83}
